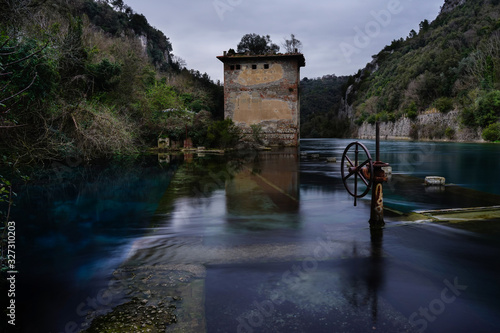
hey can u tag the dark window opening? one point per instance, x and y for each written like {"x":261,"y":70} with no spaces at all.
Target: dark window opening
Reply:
{"x":231,"y":67}
{"x":266,"y":66}
{"x":254,"y":66}
{"x":238,"y":67}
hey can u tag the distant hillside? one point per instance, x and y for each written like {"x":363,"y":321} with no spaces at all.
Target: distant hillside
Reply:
{"x":320,"y":100}
{"x":452,"y":63}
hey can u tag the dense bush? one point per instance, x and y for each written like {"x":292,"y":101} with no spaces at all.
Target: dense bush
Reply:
{"x":488,"y":108}
{"x":444,"y":104}
{"x":492,"y":132}
{"x":411,"y":110}
{"x":223,"y":134}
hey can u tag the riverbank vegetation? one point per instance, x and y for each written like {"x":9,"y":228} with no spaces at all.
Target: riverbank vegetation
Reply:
{"x":92,"y":78}
{"x":450,"y":63}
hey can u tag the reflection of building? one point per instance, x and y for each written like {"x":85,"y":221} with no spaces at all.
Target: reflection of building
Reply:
{"x":264,"y":90}
{"x":269,"y":184}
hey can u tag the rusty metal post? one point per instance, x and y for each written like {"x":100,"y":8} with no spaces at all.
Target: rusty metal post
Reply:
{"x":379,"y":177}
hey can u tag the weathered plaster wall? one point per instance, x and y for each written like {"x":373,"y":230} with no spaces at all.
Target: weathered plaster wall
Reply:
{"x":264,"y":92}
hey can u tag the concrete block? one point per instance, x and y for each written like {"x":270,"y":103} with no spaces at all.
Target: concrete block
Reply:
{"x":434,"y":181}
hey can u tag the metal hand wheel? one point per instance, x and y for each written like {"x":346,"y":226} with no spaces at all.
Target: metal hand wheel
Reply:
{"x":357,"y":165}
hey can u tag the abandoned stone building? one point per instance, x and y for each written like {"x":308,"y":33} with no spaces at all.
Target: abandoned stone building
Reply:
{"x":263,"y":90}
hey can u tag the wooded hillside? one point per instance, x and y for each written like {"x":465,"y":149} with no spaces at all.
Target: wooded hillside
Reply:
{"x":450,"y":63}
{"x":93,"y":78}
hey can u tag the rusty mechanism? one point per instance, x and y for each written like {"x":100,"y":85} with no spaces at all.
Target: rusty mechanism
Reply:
{"x":360,"y":174}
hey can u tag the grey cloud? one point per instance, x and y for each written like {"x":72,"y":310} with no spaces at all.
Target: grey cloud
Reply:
{"x":199,"y":30}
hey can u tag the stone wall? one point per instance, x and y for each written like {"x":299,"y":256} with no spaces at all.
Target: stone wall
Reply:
{"x":432,"y":125}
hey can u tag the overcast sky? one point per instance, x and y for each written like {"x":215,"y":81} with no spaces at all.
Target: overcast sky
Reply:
{"x":338,"y":36}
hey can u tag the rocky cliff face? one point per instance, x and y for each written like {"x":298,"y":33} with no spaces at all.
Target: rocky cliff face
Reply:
{"x":450,"y":5}
{"x":429,"y":126}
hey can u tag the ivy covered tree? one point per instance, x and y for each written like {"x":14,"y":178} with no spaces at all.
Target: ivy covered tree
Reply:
{"x":255,"y":44}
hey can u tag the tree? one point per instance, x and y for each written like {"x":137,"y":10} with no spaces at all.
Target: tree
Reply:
{"x":255,"y":44}
{"x":424,"y":25}
{"x":292,"y":45}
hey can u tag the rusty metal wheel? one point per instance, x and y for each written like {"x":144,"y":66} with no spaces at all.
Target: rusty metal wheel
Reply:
{"x":357,"y":170}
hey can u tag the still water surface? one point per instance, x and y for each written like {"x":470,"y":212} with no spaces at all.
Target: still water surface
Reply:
{"x":272,"y":241}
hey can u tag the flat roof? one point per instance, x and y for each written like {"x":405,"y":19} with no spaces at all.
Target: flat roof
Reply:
{"x":246,"y":57}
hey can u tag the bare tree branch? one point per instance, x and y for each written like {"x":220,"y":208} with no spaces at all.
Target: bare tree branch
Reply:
{"x":27,"y":57}
{"x":14,"y":126}
{"x":20,"y":92}
{"x":6,"y":42}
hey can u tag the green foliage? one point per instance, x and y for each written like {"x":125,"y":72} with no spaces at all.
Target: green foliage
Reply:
{"x":439,"y":66}
{"x":411,"y":110}
{"x":77,"y":81}
{"x":199,"y":129}
{"x":329,"y":125}
{"x":372,"y":119}
{"x":123,"y":21}
{"x":106,"y":75}
{"x":28,"y":77}
{"x":257,"y":133}
{"x":162,"y":97}
{"x":468,"y":118}
{"x":488,"y":108}
{"x":223,"y":134}
{"x":320,"y":98}
{"x":256,"y":44}
{"x":492,"y":132}
{"x":444,"y":104}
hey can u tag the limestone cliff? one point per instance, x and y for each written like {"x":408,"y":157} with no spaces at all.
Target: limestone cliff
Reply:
{"x":450,"y":5}
{"x":431,"y":125}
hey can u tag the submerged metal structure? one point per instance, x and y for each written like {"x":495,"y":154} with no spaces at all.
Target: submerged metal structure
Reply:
{"x":371,"y":174}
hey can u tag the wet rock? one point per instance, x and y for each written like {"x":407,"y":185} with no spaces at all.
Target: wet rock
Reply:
{"x":434,"y":181}
{"x":132,"y":317}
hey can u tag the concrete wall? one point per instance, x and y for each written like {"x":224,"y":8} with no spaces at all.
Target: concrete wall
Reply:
{"x":264,"y":91}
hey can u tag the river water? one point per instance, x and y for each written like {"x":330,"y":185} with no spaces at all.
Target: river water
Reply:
{"x":267,"y":242}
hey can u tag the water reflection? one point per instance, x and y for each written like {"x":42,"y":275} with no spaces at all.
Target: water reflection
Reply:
{"x":262,"y":187}
{"x":262,"y":240}
{"x":364,"y":278}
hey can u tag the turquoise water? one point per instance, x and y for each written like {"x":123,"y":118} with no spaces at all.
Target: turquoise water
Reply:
{"x":279,"y":242}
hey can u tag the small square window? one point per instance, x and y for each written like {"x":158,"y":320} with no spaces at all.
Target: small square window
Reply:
{"x":238,"y":67}
{"x":254,"y":66}
{"x":231,"y":67}
{"x":266,"y":66}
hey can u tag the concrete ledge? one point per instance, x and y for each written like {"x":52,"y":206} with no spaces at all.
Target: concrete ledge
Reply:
{"x":462,"y":214}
